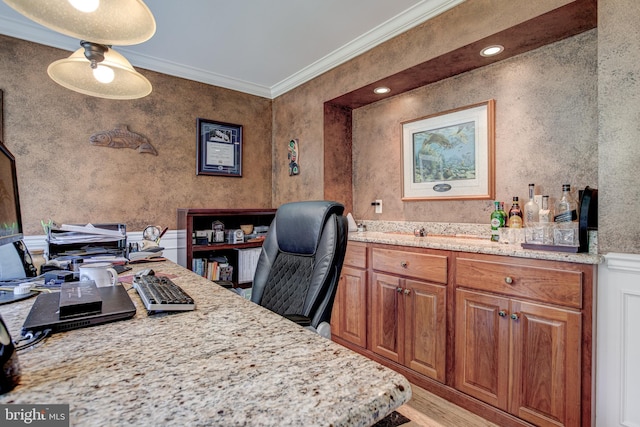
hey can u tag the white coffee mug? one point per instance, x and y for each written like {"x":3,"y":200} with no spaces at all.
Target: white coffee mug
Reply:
{"x":102,"y":273}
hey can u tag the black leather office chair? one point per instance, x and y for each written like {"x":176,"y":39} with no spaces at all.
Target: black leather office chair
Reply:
{"x":299,"y":266}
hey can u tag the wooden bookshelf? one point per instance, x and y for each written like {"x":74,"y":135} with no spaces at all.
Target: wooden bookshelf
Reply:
{"x":192,"y":220}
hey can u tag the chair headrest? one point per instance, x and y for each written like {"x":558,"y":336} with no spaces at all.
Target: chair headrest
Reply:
{"x":299,"y":225}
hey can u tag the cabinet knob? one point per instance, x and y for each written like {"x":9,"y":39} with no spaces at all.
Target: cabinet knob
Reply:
{"x":502,"y":313}
{"x":508,"y":280}
{"x":399,"y":290}
{"x":404,"y":264}
{"x":407,"y":291}
{"x":515,"y":316}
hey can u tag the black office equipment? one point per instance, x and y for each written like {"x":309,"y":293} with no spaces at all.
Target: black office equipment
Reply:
{"x":300,"y":263}
{"x":44,"y":314}
{"x":89,"y":240}
{"x":15,"y":260}
{"x":159,"y":293}
{"x":79,"y":299}
{"x":10,"y":372}
{"x":11,"y":224}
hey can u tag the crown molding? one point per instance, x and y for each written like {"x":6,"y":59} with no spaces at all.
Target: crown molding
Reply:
{"x":39,"y":34}
{"x":402,"y":22}
{"x":196,"y":74}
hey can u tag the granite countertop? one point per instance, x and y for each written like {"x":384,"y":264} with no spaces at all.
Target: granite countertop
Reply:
{"x":229,"y":362}
{"x":460,"y":238}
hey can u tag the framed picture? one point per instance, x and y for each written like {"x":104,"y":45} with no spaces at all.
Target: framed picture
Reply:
{"x":450,"y":155}
{"x":219,"y":148}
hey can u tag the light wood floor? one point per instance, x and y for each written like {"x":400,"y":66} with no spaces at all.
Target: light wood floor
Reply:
{"x":428,"y":410}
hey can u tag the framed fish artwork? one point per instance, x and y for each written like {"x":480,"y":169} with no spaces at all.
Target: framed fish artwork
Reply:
{"x":450,"y":155}
{"x":218,"y":148}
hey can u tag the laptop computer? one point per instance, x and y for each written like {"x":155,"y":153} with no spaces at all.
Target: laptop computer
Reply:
{"x":44,"y":314}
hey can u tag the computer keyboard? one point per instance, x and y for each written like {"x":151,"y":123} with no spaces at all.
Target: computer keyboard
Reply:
{"x":161,"y":294}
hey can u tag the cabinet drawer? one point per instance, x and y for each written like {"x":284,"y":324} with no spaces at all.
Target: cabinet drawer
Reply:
{"x":541,"y":283}
{"x":356,"y":255}
{"x":413,"y":264}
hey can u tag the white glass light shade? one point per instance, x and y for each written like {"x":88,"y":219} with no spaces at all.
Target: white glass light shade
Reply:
{"x":75,"y":73}
{"x":115,"y":22}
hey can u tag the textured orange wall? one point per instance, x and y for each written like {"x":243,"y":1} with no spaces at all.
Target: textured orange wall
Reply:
{"x":299,"y":113}
{"x":63,"y":177}
{"x":546,"y":132}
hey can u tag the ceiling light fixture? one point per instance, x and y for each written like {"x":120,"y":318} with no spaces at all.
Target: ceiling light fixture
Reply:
{"x":492,"y":50}
{"x":98,"y":70}
{"x":113,"y":22}
{"x":86,"y":6}
{"x":95,"y":69}
{"x":381,"y":90}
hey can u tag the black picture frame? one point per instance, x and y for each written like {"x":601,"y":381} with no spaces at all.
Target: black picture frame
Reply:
{"x":218,"y":148}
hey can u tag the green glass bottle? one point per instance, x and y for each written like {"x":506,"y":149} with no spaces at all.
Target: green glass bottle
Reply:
{"x":497,"y":221}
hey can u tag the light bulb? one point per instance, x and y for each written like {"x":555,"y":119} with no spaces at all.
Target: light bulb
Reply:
{"x":492,"y":50}
{"x":86,"y":6}
{"x":103,"y":74}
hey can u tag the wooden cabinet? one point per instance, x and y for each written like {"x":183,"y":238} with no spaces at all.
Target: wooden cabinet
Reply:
{"x":349,"y":315}
{"x":408,"y":316}
{"x":520,"y":355}
{"x":192,"y":220}
{"x":508,"y":338}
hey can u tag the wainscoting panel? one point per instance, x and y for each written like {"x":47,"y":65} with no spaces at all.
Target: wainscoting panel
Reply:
{"x":618,"y":342}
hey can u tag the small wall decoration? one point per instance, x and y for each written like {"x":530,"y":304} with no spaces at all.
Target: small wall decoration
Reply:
{"x":122,"y":137}
{"x":293,"y":157}
{"x":450,"y":155}
{"x":219,"y":148}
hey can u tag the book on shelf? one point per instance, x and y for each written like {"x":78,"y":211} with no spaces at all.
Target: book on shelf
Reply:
{"x":210,"y":268}
{"x":247,"y":264}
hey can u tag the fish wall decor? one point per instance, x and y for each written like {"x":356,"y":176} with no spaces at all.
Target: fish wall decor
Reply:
{"x":122,"y":137}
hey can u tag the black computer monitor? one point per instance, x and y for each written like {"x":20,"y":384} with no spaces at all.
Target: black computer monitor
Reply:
{"x":10,"y":219}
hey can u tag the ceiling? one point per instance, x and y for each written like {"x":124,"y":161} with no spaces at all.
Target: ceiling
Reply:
{"x":260,"y":47}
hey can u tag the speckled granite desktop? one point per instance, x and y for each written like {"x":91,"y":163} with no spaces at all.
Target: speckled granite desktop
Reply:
{"x":228,"y":363}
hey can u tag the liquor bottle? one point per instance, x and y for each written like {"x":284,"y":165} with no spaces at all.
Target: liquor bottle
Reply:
{"x":504,"y":213}
{"x":545,"y":213}
{"x":566,"y":228}
{"x":531,"y":209}
{"x":497,"y":221}
{"x":515,"y":214}
{"x":567,"y":208}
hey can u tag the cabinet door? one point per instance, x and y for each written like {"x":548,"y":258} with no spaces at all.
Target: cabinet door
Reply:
{"x":482,"y":347}
{"x":546,"y":371}
{"x":425,"y":328}
{"x":386,"y":332}
{"x":349,"y":317}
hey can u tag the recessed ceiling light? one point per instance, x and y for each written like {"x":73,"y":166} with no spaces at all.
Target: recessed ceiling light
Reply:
{"x":381,"y":90}
{"x":492,"y":50}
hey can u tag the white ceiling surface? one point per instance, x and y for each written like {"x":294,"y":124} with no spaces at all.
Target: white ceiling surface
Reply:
{"x":261,"y":47}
